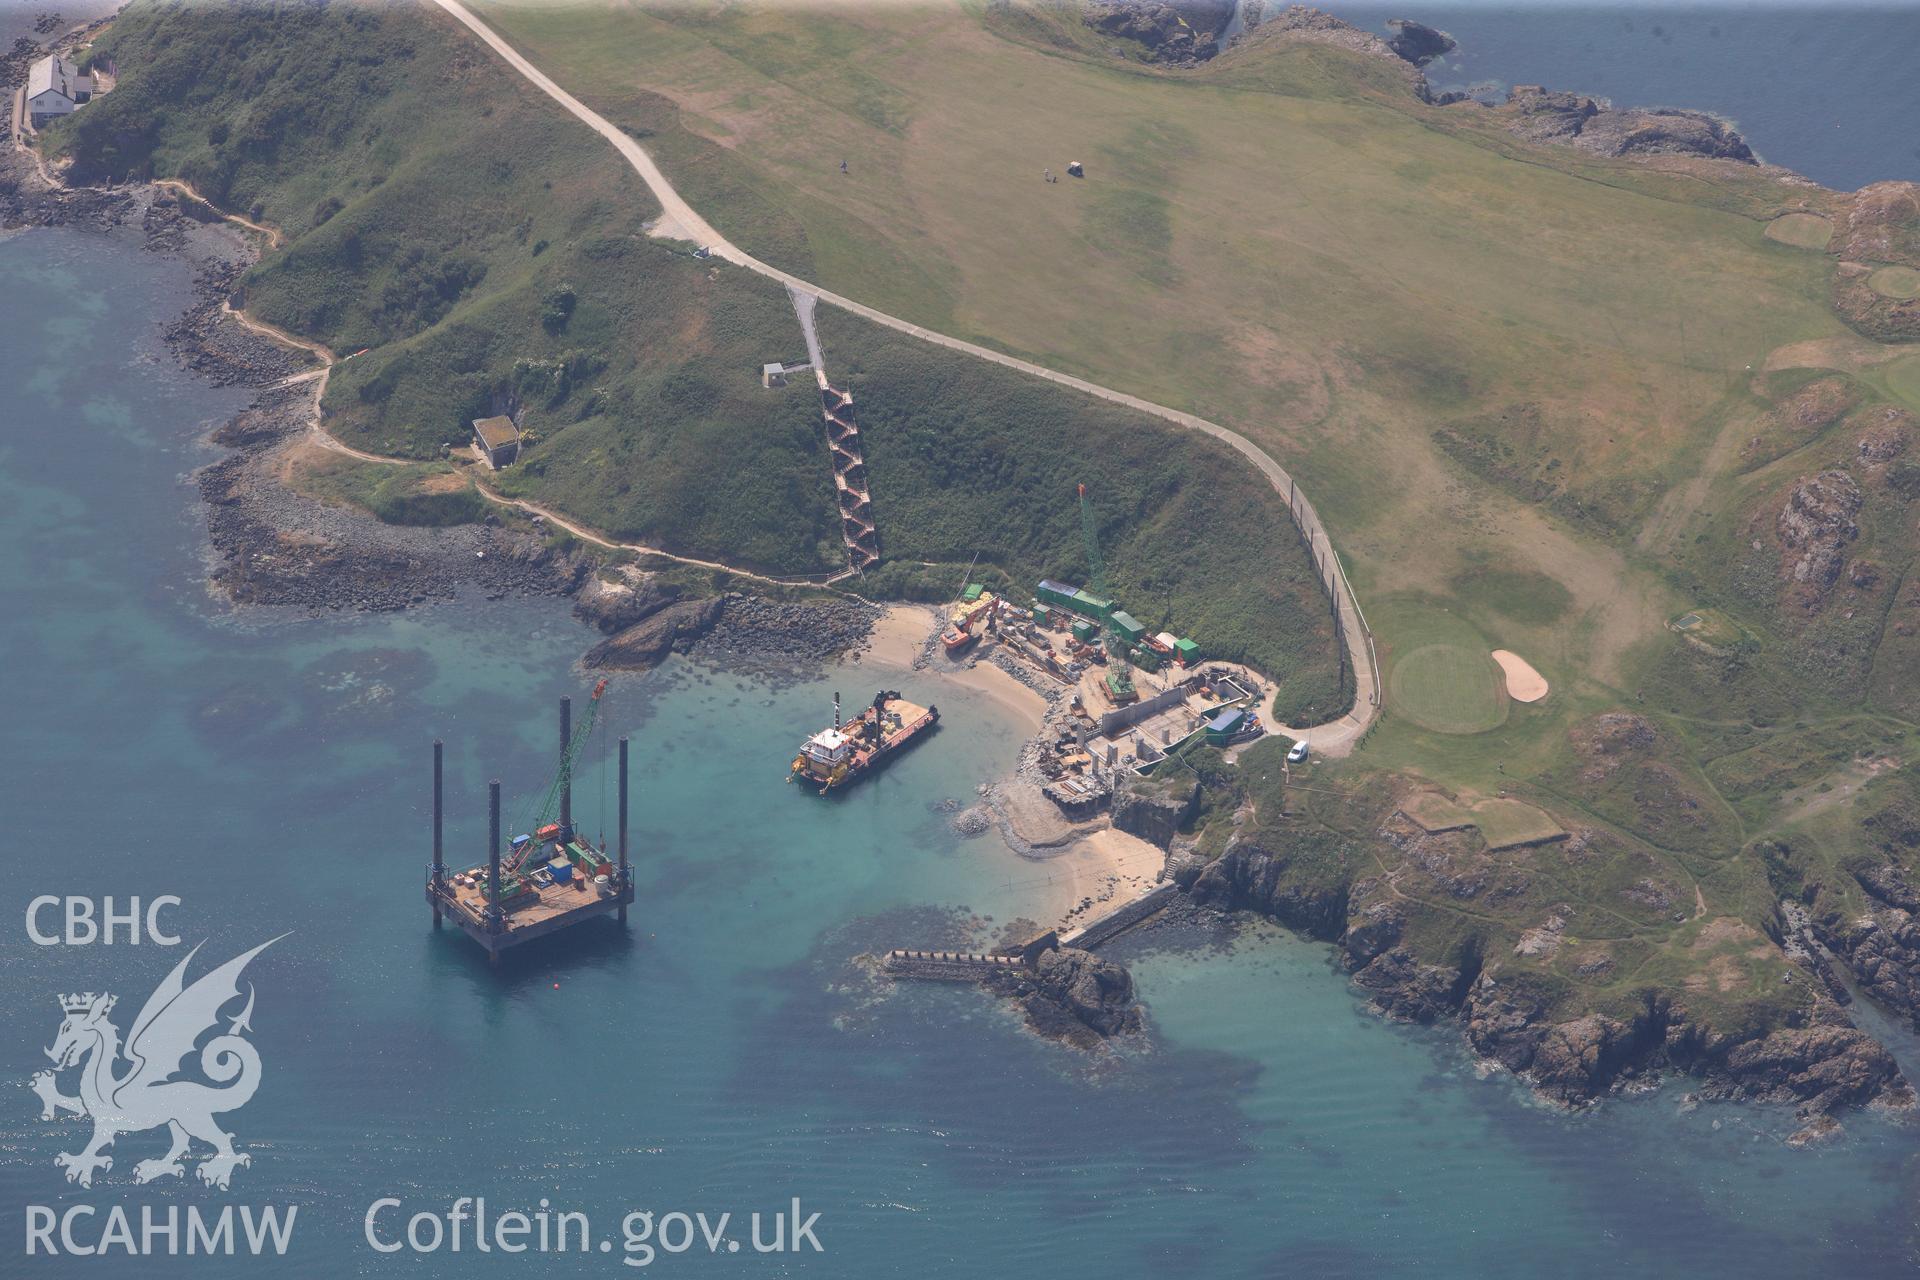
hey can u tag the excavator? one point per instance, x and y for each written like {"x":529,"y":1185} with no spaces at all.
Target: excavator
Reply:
{"x":970,"y":621}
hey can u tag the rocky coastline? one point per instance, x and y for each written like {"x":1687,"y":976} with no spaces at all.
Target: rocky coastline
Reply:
{"x":645,"y":622}
{"x":1592,"y":124}
{"x":1819,"y":1063}
{"x":272,"y":545}
{"x":1531,"y":111}
{"x":1880,"y":948}
{"x":269,"y":544}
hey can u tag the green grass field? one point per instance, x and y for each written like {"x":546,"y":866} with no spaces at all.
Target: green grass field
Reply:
{"x":1569,"y":325}
{"x":1803,"y":230}
{"x":1449,"y":689}
{"x":1895,"y":282}
{"x":1903,"y":379}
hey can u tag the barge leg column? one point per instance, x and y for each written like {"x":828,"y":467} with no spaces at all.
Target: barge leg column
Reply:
{"x":494,"y":917}
{"x":566,"y":774}
{"x":621,"y":884}
{"x":439,"y":860}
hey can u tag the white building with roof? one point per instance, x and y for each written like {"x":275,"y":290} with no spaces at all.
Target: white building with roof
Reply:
{"x":55,"y":88}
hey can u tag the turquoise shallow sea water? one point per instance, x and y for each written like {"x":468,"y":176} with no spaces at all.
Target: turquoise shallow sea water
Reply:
{"x":722,"y":1055}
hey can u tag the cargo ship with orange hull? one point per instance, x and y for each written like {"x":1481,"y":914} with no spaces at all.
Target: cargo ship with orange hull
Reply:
{"x":847,"y":752}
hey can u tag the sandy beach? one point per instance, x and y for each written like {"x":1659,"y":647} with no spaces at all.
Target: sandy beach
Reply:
{"x":902,"y":632}
{"x":899,"y":634}
{"x":1106,"y":866}
{"x":1072,"y":862}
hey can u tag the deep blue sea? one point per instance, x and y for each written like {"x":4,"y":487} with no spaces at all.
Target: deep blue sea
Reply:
{"x":1831,"y":90}
{"x":721,"y":1055}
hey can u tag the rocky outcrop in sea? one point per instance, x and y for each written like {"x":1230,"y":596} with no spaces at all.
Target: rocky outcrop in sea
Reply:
{"x":1071,"y":995}
{"x":1417,"y":42}
{"x":1592,"y":124}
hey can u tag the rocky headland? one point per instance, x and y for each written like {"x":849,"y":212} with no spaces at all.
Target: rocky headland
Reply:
{"x":1592,"y":124}
{"x":1416,"y":42}
{"x":270,"y":544}
{"x":1532,"y":111}
{"x":1816,"y":1062}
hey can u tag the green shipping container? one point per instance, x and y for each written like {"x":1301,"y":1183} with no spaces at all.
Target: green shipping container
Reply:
{"x":1091,"y":605}
{"x":1042,"y":616}
{"x":1125,"y":624}
{"x":1083,"y":630}
{"x":972,"y":592}
{"x":1222,"y":727}
{"x":1189,"y":651}
{"x":1056,"y":593}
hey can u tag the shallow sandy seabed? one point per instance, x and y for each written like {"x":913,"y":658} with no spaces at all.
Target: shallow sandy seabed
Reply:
{"x":1085,"y":860}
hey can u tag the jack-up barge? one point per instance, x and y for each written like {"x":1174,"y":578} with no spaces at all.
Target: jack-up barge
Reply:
{"x":550,"y":878}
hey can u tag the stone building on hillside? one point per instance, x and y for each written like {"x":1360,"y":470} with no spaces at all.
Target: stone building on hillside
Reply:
{"x":496,"y":440}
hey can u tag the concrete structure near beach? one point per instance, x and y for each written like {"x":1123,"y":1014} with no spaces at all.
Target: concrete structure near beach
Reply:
{"x":496,"y":440}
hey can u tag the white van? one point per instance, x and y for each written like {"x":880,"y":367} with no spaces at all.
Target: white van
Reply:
{"x":1298,"y":753}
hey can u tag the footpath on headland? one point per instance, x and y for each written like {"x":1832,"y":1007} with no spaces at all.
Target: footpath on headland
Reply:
{"x":679,"y":220}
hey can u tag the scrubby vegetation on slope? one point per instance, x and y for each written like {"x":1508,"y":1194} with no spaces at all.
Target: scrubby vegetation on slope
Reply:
{"x":491,"y":254}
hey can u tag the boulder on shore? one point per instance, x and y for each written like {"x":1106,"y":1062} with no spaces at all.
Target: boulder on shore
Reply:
{"x":647,"y":643}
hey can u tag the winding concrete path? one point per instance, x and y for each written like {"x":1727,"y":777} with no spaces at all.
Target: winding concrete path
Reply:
{"x":680,"y":220}
{"x":274,"y":238}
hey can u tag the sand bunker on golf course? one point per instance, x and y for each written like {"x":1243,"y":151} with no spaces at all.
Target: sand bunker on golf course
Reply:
{"x":1524,"y":684}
